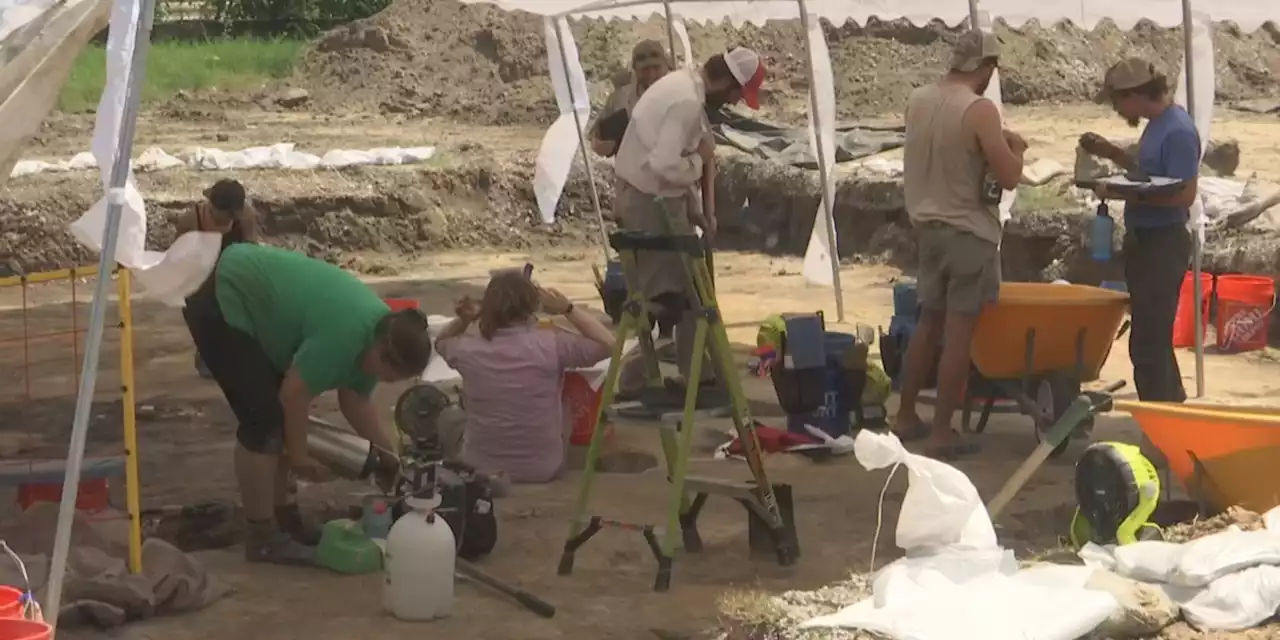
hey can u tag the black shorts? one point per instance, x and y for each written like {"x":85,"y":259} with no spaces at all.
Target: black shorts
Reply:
{"x":249,"y":380}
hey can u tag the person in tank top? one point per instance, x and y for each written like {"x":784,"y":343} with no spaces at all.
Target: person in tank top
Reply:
{"x":958,"y":160}
{"x":1157,"y":244}
{"x":224,"y":210}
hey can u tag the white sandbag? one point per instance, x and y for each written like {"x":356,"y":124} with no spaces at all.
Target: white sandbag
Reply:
{"x":1241,"y":600}
{"x":942,"y":508}
{"x":1199,"y":562}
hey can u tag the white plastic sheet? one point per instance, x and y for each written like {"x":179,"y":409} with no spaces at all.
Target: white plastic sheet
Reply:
{"x":1249,"y":14}
{"x":822,"y":118}
{"x":281,"y":156}
{"x":956,"y":583}
{"x":40,"y":45}
{"x":561,"y":142}
{"x":168,"y":277}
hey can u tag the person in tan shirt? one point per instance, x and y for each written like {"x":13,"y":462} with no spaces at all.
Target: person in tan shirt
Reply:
{"x":665,"y":154}
{"x":649,"y":62}
{"x":957,"y":161}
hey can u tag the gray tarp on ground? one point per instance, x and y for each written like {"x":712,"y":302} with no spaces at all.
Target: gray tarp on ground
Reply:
{"x":791,"y":145}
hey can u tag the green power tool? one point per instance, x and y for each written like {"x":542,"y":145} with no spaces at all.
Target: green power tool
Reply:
{"x":1117,"y":490}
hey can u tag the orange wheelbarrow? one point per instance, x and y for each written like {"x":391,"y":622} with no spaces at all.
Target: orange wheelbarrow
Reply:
{"x":1037,"y":345}
{"x":1223,"y":455}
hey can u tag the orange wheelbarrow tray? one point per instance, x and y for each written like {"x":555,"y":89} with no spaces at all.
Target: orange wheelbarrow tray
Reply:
{"x":1223,"y":455}
{"x":1038,"y":344}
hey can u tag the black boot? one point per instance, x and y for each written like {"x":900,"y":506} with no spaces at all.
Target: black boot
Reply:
{"x":266,"y":543}
{"x":289,"y":519}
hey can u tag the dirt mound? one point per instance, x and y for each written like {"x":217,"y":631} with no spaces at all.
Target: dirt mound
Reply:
{"x":478,"y":64}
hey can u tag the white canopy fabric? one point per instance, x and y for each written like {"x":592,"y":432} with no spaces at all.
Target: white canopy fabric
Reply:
{"x":1248,"y":14}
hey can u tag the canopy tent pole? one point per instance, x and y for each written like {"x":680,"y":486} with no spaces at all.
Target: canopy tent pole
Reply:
{"x":671,"y":33}
{"x":824,"y":175}
{"x":93,"y":346}
{"x":1198,"y":312}
{"x":582,"y":139}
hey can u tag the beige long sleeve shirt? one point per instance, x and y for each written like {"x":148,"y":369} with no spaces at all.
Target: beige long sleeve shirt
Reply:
{"x":659,"y":153}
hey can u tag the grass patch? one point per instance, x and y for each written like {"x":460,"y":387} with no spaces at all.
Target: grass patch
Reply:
{"x":1050,"y":197}
{"x":229,"y":65}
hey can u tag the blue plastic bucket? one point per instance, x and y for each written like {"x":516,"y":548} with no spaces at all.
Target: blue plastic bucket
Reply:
{"x":905,"y":300}
{"x":833,"y":416}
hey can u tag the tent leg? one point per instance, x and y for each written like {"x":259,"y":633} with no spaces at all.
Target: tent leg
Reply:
{"x":582,"y":141}
{"x":1197,"y":226}
{"x":824,"y":172}
{"x":93,"y":345}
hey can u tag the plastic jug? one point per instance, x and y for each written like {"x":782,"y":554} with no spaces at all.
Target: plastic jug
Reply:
{"x":1101,"y":230}
{"x":419,"y":564}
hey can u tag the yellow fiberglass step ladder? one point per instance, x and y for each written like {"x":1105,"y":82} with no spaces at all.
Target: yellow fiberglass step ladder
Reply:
{"x":771,"y":526}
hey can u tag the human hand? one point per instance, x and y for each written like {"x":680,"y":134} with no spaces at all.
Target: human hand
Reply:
{"x":1098,"y":146}
{"x":466,"y":309}
{"x":553,"y":302}
{"x":709,"y":228}
{"x":1016,"y":142}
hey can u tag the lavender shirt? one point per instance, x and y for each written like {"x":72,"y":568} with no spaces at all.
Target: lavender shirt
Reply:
{"x":511,"y":388}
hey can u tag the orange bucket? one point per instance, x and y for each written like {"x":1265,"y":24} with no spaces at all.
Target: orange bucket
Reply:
{"x":1237,"y":448}
{"x":1245,"y":304}
{"x":17,"y":629}
{"x":582,"y":403}
{"x":10,"y":603}
{"x":1184,"y":323}
{"x":397,"y":304}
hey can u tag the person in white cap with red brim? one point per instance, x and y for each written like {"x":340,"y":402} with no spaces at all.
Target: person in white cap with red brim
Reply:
{"x":667,"y":151}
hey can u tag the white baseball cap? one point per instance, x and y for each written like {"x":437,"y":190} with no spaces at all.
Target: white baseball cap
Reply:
{"x":748,"y":69}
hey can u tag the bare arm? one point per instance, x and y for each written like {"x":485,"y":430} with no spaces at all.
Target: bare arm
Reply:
{"x":1006,"y":162}
{"x":454,"y":329}
{"x":295,"y":399}
{"x":187,"y":222}
{"x":248,"y":219}
{"x":587,"y":324}
{"x":362,"y":415}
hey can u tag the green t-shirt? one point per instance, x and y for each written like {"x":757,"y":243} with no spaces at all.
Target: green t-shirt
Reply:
{"x":303,"y":311}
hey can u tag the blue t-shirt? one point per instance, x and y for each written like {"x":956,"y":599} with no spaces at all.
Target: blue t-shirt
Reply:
{"x":1169,"y":148}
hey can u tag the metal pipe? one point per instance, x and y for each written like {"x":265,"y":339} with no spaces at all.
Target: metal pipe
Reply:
{"x":1187,"y":38}
{"x":89,"y":371}
{"x":825,"y":178}
{"x":582,"y":140}
{"x":671,"y":33}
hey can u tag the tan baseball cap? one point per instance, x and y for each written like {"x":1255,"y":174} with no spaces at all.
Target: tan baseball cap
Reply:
{"x":648,"y":53}
{"x":972,"y":48}
{"x":1129,"y":73}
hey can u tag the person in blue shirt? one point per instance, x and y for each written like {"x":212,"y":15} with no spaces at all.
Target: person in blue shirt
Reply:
{"x":1157,"y":244}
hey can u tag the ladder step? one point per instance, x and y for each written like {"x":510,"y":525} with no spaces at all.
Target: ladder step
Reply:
{"x":736,"y":489}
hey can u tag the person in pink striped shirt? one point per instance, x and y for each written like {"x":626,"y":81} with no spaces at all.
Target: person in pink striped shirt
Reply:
{"x":512,"y":372}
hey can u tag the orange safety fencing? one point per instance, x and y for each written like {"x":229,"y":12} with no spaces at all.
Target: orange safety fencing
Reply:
{"x":43,"y":321}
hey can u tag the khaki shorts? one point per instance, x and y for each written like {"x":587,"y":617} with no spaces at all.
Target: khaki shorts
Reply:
{"x":959,"y":272}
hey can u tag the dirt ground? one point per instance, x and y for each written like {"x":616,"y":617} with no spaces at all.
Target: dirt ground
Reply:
{"x":185,"y":444}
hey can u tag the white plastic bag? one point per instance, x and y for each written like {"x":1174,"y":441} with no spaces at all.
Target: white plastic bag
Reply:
{"x":1241,"y":600}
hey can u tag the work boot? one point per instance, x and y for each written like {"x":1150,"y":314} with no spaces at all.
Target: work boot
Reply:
{"x":289,"y":519}
{"x":266,"y":543}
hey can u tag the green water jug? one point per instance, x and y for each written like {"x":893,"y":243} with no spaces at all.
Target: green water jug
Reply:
{"x":345,"y":548}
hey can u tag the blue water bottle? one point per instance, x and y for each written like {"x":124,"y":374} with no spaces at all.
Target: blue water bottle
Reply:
{"x":1100,"y":234}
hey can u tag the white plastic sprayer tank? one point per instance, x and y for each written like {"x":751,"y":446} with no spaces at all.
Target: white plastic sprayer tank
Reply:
{"x":419,"y":564}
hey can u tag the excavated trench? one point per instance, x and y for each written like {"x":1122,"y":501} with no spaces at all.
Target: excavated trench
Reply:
{"x":373,"y":219}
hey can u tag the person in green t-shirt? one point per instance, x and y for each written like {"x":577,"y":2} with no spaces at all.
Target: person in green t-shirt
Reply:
{"x":277,"y":329}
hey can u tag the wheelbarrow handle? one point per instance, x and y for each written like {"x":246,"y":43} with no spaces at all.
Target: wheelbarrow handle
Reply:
{"x":1114,"y":386}
{"x":1101,"y":401}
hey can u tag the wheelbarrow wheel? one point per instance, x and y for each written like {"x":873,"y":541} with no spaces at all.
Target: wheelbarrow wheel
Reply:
{"x":1054,"y":393}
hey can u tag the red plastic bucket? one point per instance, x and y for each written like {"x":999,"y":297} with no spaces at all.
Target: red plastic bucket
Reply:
{"x":395,"y":304}
{"x":581,"y":403}
{"x":94,"y":495}
{"x":17,"y":629}
{"x":10,"y":603}
{"x":1184,"y":323}
{"x":1245,"y":304}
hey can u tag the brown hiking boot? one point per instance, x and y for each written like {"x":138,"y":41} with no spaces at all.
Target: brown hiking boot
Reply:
{"x":289,"y":519}
{"x":265,"y":543}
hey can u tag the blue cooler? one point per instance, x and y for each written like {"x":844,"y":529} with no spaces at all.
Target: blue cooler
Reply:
{"x":833,"y":416}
